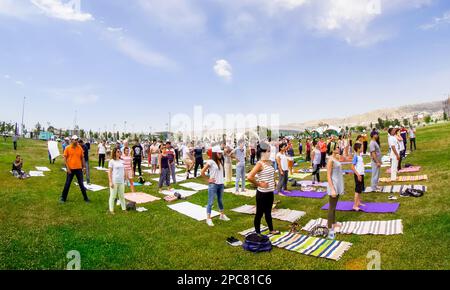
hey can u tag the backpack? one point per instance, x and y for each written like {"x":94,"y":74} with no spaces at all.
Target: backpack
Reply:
{"x":257,"y":243}
{"x":141,"y":180}
{"x":319,"y":231}
{"x":131,"y":206}
{"x":413,"y":192}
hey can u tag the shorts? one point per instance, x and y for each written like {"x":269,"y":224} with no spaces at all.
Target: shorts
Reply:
{"x":188,"y":161}
{"x":359,"y":185}
{"x":128,"y":173}
{"x":154,"y":159}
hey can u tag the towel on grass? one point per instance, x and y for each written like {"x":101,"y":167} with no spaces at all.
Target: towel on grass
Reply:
{"x":194,"y":186}
{"x":391,"y":227}
{"x":184,"y":193}
{"x":396,"y":188}
{"x":140,"y":197}
{"x":44,"y":169}
{"x":36,"y":173}
{"x":192,"y":210}
{"x":371,"y":207}
{"x":300,"y":175}
{"x":406,"y":170}
{"x":405,"y":178}
{"x":277,"y":213}
{"x":311,"y":246}
{"x":307,"y":194}
{"x":247,"y":193}
{"x":101,"y":168}
{"x":310,"y":183}
{"x":92,"y":187}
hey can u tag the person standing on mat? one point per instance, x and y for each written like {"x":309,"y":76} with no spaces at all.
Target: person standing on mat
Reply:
{"x":171,"y":158}
{"x":154,"y":154}
{"x":228,"y":164}
{"x":300,"y":147}
{"x":395,"y":153}
{"x":216,"y":183}
{"x":164,"y":169}
{"x":75,"y":165}
{"x":308,"y":150}
{"x":283,"y":169}
{"x":127,"y":162}
{"x":375,"y":155}
{"x":198,"y":155}
{"x":101,"y":151}
{"x":323,"y":152}
{"x":358,"y":173}
{"x":412,"y":138}
{"x":86,"y":148}
{"x":316,"y":157}
{"x":240,"y":154}
{"x":137,"y":150}
{"x":335,"y":189}
{"x":263,"y":177}
{"x":401,"y":148}
{"x":116,"y":175}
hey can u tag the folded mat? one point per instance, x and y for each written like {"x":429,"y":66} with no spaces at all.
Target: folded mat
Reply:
{"x":371,"y":207}
{"x":349,"y":171}
{"x":247,"y":193}
{"x":36,"y":173}
{"x":382,"y":165}
{"x":277,"y":213}
{"x":194,"y":186}
{"x":140,"y":197}
{"x":405,"y":178}
{"x":307,"y":194}
{"x":92,"y":187}
{"x":310,"y":183}
{"x":300,"y":175}
{"x":406,"y":170}
{"x":184,"y":193}
{"x":392,"y":227}
{"x":311,"y":246}
{"x":396,"y":188}
{"x":42,"y":169}
{"x":192,"y":210}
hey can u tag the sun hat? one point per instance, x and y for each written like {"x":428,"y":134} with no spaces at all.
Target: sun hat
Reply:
{"x":217,"y":149}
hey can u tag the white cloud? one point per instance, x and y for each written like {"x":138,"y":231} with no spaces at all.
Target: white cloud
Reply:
{"x":77,"y":96}
{"x":223,"y":69}
{"x":115,"y":29}
{"x":438,"y":22}
{"x":7,"y":77}
{"x":17,"y":9}
{"x":69,"y":11}
{"x":85,"y":99}
{"x":19,"y":83}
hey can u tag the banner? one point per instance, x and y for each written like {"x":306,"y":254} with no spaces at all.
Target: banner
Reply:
{"x":53,"y":149}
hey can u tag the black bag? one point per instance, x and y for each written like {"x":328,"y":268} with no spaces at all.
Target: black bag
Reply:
{"x":141,"y":180}
{"x":414,"y":192}
{"x":131,"y":206}
{"x":257,"y":243}
{"x":319,"y":231}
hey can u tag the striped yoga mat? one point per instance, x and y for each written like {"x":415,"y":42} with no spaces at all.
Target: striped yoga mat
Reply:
{"x":405,"y":178}
{"x":311,"y":246}
{"x":277,"y":213}
{"x":406,"y":169}
{"x":396,"y":188}
{"x":391,"y":227}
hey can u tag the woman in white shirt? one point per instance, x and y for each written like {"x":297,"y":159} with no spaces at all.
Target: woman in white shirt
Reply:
{"x":116,"y":175}
{"x":101,"y":151}
{"x":216,"y":183}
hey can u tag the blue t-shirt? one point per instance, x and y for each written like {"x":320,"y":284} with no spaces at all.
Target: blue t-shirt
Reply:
{"x":359,"y":164}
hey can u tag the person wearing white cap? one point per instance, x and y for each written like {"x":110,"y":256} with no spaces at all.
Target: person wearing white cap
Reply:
{"x":76,"y":166}
{"x":216,"y":183}
{"x":240,"y":154}
{"x":395,"y":152}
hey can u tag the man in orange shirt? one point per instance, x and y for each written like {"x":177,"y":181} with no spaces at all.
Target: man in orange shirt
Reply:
{"x":323,"y":153}
{"x":75,"y":165}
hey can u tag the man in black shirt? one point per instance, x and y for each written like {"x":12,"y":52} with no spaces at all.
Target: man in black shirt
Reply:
{"x":137,"y":157}
{"x":198,"y":154}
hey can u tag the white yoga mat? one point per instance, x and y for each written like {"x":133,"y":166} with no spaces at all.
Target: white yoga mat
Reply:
{"x":184,"y":193}
{"x":149,"y":171}
{"x":140,"y":197}
{"x":101,"y":168}
{"x":192,"y":210}
{"x":44,"y":169}
{"x":53,"y":149}
{"x":93,"y":187}
{"x":247,"y":193}
{"x":194,"y":186}
{"x":178,"y":177}
{"x":36,"y":173}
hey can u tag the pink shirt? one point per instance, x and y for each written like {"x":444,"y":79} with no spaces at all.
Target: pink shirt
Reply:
{"x":127,"y":162}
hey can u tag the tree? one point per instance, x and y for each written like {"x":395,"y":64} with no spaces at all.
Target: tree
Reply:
{"x":445,"y":116}
{"x":405,"y":122}
{"x":38,"y":128}
{"x":82,"y":134}
{"x":427,"y":119}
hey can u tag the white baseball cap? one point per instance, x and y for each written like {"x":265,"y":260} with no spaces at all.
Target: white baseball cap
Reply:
{"x":217,"y":149}
{"x":74,"y":137}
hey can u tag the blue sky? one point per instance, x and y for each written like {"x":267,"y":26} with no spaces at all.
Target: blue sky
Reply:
{"x":136,"y":60}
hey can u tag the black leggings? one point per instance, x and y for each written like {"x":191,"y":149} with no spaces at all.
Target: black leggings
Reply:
{"x":101,"y":160}
{"x":332,"y":211}
{"x":137,"y":162}
{"x":264,"y":203}
{"x":198,"y":163}
{"x":316,"y":173}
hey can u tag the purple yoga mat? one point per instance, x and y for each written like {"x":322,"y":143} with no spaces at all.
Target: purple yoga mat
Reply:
{"x":308,"y":194}
{"x":371,"y":207}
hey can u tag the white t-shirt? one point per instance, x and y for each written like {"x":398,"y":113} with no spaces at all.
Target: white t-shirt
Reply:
{"x":412,"y":134}
{"x":185,"y":151}
{"x":101,"y":149}
{"x":283,"y":161}
{"x":118,"y":171}
{"x":215,"y":172}
{"x":359,"y":164}
{"x":392,"y":140}
{"x":273,"y":153}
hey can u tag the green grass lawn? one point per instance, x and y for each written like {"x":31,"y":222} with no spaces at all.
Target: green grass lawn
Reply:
{"x":36,"y":232}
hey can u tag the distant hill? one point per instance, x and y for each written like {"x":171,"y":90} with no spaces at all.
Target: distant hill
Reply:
{"x":403,"y":112}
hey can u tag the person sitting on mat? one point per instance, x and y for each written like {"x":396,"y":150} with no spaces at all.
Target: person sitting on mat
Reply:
{"x":17,"y":168}
{"x":358,"y":173}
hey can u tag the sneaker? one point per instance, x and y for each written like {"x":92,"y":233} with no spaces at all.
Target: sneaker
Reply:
{"x":209,"y":222}
{"x":391,"y":197}
{"x":118,"y":202}
{"x":62,"y":201}
{"x":224,"y":218}
{"x":87,"y":201}
{"x":331,"y":235}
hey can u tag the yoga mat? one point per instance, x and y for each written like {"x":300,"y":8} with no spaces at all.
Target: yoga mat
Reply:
{"x":406,"y":170}
{"x":391,"y":227}
{"x":300,"y":175}
{"x":101,"y":168}
{"x":397,"y":188}
{"x":309,"y":183}
{"x":307,"y":194}
{"x":92,"y":187}
{"x":194,"y":186}
{"x":382,"y":165}
{"x":247,"y":193}
{"x":311,"y":246}
{"x":36,"y":174}
{"x":277,"y":213}
{"x":140,"y":197}
{"x":44,"y":169}
{"x":192,"y":210}
{"x":349,"y":171}
{"x":53,"y":149}
{"x":371,"y":207}
{"x":405,"y":178}
{"x":184,"y":193}
{"x":179,"y":178}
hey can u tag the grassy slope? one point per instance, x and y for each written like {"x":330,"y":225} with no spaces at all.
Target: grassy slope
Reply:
{"x":36,"y":232}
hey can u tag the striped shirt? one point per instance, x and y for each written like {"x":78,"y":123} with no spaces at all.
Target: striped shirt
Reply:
{"x":127,"y":162}
{"x":267,"y":174}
